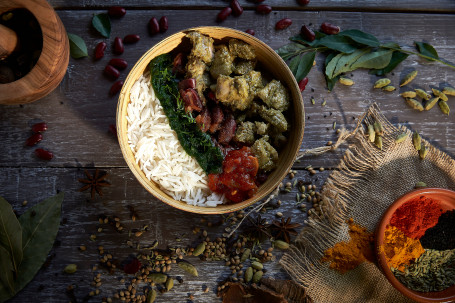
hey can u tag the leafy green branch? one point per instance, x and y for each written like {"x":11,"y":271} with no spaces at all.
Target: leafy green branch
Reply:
{"x":347,"y":51}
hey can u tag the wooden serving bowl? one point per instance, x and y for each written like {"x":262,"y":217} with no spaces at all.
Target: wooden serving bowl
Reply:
{"x":447,"y":200}
{"x":271,"y":62}
{"x":51,"y":66}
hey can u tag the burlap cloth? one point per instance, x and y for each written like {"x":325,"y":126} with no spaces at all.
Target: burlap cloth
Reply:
{"x":364,"y":184}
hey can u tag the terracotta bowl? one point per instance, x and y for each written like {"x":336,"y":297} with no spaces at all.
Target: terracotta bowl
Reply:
{"x":447,"y":200}
{"x":271,"y":62}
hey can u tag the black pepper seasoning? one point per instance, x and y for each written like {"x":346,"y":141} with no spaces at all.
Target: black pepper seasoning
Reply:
{"x":442,"y":235}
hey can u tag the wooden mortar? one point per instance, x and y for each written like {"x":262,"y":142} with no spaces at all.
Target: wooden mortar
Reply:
{"x":51,"y":66}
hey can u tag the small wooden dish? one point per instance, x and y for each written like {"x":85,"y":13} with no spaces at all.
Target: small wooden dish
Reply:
{"x":273,"y":63}
{"x":51,"y":66}
{"x":447,"y":200}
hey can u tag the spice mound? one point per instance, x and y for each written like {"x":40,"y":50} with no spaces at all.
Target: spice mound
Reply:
{"x":345,"y":256}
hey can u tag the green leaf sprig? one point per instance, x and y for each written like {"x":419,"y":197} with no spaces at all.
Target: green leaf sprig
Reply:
{"x":78,"y":48}
{"x":102,"y":24}
{"x":26,"y":242}
{"x":347,"y":51}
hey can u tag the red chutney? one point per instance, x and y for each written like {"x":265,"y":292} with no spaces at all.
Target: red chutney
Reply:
{"x":238,"y":179}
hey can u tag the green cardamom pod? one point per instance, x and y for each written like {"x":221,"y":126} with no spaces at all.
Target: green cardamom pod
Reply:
{"x":449,"y":91}
{"x":444,"y":107}
{"x":408,"y":78}
{"x":188,"y":267}
{"x":401,"y":137}
{"x":408,"y":94}
{"x":158,"y":277}
{"x":151,"y":296}
{"x":417,"y":140}
{"x":413,"y":103}
{"x":389,"y":88}
{"x":430,"y":103}
{"x":313,"y":101}
{"x":248,"y":274}
{"x":439,"y":94}
{"x":199,"y":249}
{"x":257,"y":265}
{"x":422,"y":94}
{"x":371,"y":133}
{"x":423,"y":152}
{"x":378,"y":128}
{"x":257,"y":276}
{"x":381,"y":83}
{"x":70,"y":268}
{"x":280,"y":244}
{"x":420,"y":184}
{"x":245,"y":255}
{"x":346,"y":81}
{"x":378,"y":142}
{"x":169,"y":283}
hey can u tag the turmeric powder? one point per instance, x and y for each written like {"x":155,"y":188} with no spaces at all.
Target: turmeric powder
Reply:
{"x":345,"y":256}
{"x":399,"y":249}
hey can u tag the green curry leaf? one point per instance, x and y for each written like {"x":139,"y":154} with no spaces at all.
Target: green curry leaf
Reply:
{"x":102,"y":24}
{"x":78,"y":49}
{"x":305,"y":65}
{"x":427,"y":50}
{"x":361,"y":37}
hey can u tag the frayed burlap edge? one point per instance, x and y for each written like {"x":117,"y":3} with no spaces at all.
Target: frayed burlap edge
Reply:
{"x":302,"y":261}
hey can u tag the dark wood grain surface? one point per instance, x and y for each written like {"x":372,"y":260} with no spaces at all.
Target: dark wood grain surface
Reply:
{"x":80,"y":111}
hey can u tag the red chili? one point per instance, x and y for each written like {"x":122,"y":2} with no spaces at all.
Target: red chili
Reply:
{"x":164,"y":25}
{"x":116,"y":11}
{"x":263,"y":9}
{"x":225,"y":12}
{"x":130,"y":39}
{"x":303,"y":83}
{"x":329,"y":29}
{"x":236,"y":8}
{"x":99,"y":50}
{"x":154,"y":27}
{"x":118,"y":63}
{"x":44,"y":154}
{"x":39,"y":127}
{"x":116,"y":87}
{"x":283,"y":24}
{"x":118,"y":46}
{"x":250,"y":31}
{"x":111,"y":71}
{"x":307,"y":33}
{"x":34,"y":139}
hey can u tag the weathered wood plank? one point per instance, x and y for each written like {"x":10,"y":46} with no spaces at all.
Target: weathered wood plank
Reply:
{"x":315,"y":5}
{"x":80,"y":220}
{"x":80,"y":111}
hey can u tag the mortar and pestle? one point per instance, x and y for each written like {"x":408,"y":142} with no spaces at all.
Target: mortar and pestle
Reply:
{"x":34,"y":50}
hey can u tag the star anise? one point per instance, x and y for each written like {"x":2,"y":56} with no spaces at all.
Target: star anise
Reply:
{"x":95,"y":182}
{"x":258,"y":228}
{"x":283,"y":230}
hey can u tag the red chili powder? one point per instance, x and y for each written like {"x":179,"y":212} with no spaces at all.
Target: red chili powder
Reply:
{"x":415,"y":216}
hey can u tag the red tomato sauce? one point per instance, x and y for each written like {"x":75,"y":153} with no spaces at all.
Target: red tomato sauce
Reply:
{"x":238,"y":179}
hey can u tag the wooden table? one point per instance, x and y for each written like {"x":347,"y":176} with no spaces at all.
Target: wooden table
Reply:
{"x":80,"y":111}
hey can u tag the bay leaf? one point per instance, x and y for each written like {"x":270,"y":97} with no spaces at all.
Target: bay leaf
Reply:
{"x":102,"y":24}
{"x":377,"y":59}
{"x":427,"y":50}
{"x":397,"y":58}
{"x":294,"y":64}
{"x":305,"y":65}
{"x":361,"y":37}
{"x":6,"y":270}
{"x":289,"y":50}
{"x":4,"y":293}
{"x":338,"y":43}
{"x":330,"y":81}
{"x":40,"y":225}
{"x":10,"y":233}
{"x":78,"y":49}
{"x":298,"y":38}
{"x":342,"y":63}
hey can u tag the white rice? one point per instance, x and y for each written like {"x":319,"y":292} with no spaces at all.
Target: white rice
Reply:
{"x":158,"y":151}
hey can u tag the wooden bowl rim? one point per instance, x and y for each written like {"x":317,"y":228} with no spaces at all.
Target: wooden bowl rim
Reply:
{"x":121,"y":126}
{"x":447,"y":295}
{"x":50,"y":73}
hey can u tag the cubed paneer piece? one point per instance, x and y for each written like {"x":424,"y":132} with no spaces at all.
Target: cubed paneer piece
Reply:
{"x":222,"y":63}
{"x":274,"y":117}
{"x":242,"y":67}
{"x":275,"y":95}
{"x":266,"y":154}
{"x":261,"y":128}
{"x":241,"y":49}
{"x":233,"y":92}
{"x":245,"y":133}
{"x":202,"y":46}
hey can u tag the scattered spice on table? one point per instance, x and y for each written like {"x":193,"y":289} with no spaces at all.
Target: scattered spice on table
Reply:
{"x":345,"y":256}
{"x":415,"y":216}
{"x":399,"y":249}
{"x":94,"y":182}
{"x":442,"y":235}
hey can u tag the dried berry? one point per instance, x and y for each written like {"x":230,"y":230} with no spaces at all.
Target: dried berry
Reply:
{"x":329,"y":29}
{"x":39,"y":127}
{"x":118,"y":63}
{"x":154,"y":27}
{"x":164,"y":24}
{"x":250,"y":31}
{"x":303,"y":2}
{"x":237,"y":9}
{"x":225,"y":12}
{"x":303,"y":83}
{"x":263,"y":9}
{"x":116,"y":87}
{"x":307,"y":33}
{"x":99,"y":50}
{"x":34,"y":139}
{"x":130,"y":39}
{"x":44,"y":154}
{"x":111,"y":71}
{"x":132,"y":267}
{"x":283,"y":24}
{"x":118,"y":46}
{"x":116,"y":12}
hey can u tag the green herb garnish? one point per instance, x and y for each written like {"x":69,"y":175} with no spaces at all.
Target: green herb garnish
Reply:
{"x":196,"y":143}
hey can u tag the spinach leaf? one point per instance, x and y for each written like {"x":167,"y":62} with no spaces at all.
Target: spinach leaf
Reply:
{"x":102,"y":24}
{"x":196,"y":143}
{"x":10,"y":234}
